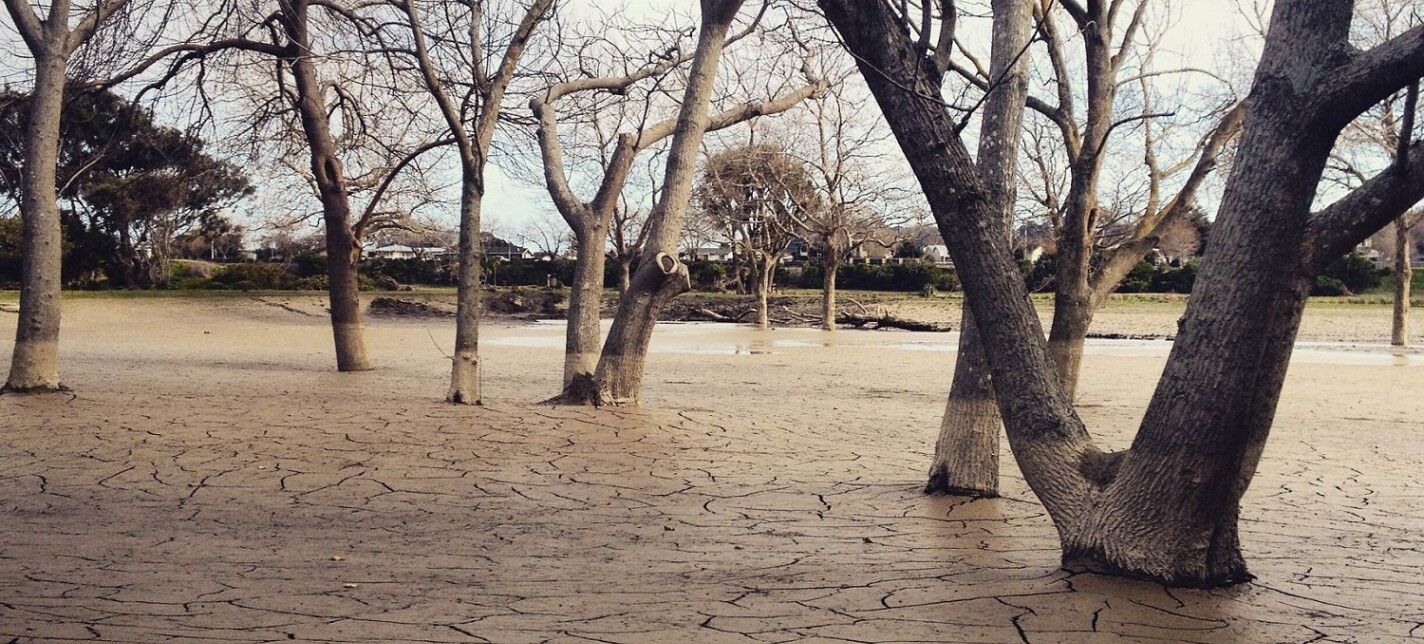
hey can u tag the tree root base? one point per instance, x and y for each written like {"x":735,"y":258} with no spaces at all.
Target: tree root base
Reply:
{"x":460,"y":398}
{"x":1217,"y":577}
{"x":38,"y":389}
{"x":939,"y":485}
{"x":582,"y":390}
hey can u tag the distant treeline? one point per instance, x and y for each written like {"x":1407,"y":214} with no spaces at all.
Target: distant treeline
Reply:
{"x":1352,"y":274}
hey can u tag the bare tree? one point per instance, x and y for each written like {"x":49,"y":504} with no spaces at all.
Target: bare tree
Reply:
{"x":320,"y":80}
{"x":660,"y":276}
{"x":1076,"y":211}
{"x":857,"y":185}
{"x":1168,"y":507}
{"x":756,"y":194}
{"x":967,"y":450}
{"x":615,"y":156}
{"x":66,"y":36}
{"x":469,"y":89}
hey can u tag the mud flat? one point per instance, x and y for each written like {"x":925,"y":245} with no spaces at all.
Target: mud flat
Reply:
{"x":212,"y":479}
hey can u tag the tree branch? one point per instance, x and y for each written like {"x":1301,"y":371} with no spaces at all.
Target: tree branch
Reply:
{"x":91,"y":22}
{"x":1347,"y":222}
{"x":27,"y":23}
{"x":359,"y":228}
{"x":1371,"y":76}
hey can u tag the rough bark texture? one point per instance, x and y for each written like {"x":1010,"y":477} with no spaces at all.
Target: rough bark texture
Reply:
{"x":343,"y":250}
{"x":660,"y":277}
{"x":583,"y":338}
{"x":465,"y":367}
{"x":966,"y":457}
{"x":34,"y":364}
{"x":1403,"y":274}
{"x":1167,"y":508}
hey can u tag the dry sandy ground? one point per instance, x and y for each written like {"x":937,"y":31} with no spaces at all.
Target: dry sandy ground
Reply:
{"x":211,"y":479}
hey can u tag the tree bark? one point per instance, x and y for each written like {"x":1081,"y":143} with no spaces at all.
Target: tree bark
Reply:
{"x":469,"y":292}
{"x":1403,"y":274}
{"x":34,"y":365}
{"x":343,"y":250}
{"x":966,"y":459}
{"x":625,"y":274}
{"x":765,"y":271}
{"x":660,"y":277}
{"x":583,"y":338}
{"x":967,"y":452}
{"x":1167,"y":508}
{"x":828,"y":292}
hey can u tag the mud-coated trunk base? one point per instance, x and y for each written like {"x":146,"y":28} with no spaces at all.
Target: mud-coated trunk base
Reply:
{"x":1212,"y":559}
{"x":34,"y":367}
{"x":581,"y":390}
{"x":464,"y":380}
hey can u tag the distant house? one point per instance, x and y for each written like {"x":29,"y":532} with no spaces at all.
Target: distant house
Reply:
{"x":496,"y":248}
{"x":873,"y":252}
{"x":391,"y":251}
{"x":400,"y":251}
{"x":937,"y":253}
{"x":801,"y":250}
{"x":720,"y":253}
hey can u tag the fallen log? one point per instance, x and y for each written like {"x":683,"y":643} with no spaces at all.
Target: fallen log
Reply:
{"x":887,"y":321}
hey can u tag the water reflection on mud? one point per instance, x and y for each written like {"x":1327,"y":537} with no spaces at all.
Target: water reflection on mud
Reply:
{"x":712,"y":338}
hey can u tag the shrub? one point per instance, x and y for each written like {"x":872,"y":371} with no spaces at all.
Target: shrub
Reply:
{"x":252,"y":276}
{"x":1329,"y":286}
{"x":1356,"y":272}
{"x":1174,"y":280}
{"x":309,"y":263}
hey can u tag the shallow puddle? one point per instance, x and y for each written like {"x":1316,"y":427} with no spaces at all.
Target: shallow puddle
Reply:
{"x":714,"y":338}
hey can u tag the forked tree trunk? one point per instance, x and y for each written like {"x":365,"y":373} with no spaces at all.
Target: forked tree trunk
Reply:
{"x":660,"y":277}
{"x":1403,"y":274}
{"x":343,"y":250}
{"x":465,"y":365}
{"x":1167,"y":508}
{"x":828,"y":292}
{"x":966,"y":457}
{"x":34,"y":365}
{"x":583,"y":338}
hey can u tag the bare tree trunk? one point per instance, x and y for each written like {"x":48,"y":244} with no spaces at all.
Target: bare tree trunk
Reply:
{"x":828,"y":292}
{"x":660,"y":277}
{"x":967,"y":452}
{"x":1403,"y":274}
{"x":765,"y":270}
{"x":465,"y":367}
{"x":583,"y":339}
{"x":34,"y":364}
{"x":966,"y":460}
{"x":625,"y":272}
{"x":1072,"y":315}
{"x":343,"y":250}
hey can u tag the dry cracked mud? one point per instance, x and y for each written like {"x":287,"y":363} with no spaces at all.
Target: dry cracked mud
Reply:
{"x":211,"y":480}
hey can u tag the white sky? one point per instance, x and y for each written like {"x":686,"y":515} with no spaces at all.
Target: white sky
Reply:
{"x":1201,"y":38}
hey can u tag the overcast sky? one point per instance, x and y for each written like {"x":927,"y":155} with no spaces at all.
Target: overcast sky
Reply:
{"x":1206,"y":34}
